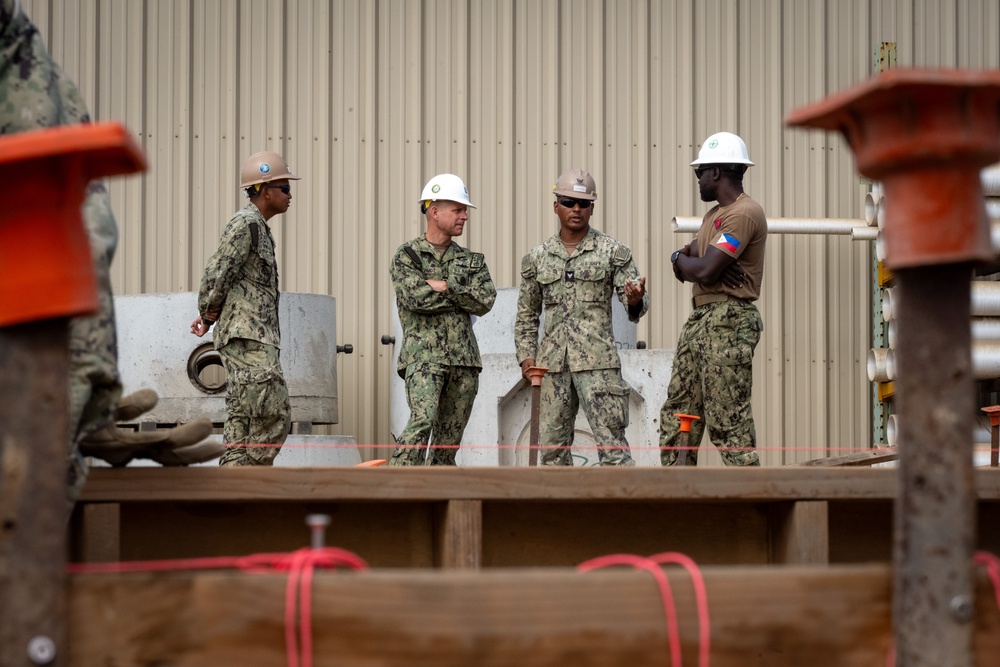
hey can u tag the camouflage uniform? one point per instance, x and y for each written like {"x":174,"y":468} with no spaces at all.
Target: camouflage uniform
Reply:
{"x":712,"y":372}
{"x":577,"y":344}
{"x":439,"y":355}
{"x":34,"y":94}
{"x":242,"y":278}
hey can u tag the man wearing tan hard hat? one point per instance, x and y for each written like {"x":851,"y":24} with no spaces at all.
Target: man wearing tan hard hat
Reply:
{"x":239,"y":291}
{"x":573,"y":276}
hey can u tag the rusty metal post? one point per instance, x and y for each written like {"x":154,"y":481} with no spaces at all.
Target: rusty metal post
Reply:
{"x":994,"y":412}
{"x":34,"y":381}
{"x":925,"y":134}
{"x":535,"y":374}
{"x":46,"y":277}
{"x":683,"y":436}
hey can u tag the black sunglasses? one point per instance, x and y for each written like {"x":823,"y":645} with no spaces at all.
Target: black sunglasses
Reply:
{"x":701,"y":170}
{"x":570,"y":203}
{"x":285,"y":189}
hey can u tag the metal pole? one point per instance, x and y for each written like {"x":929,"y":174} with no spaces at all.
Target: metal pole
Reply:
{"x":925,"y":134}
{"x":994,"y":413}
{"x":934,"y":533}
{"x":682,"y":437}
{"x":34,"y":441}
{"x":535,"y":374}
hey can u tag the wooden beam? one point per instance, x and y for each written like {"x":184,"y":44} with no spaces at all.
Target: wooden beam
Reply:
{"x":865,"y":458}
{"x":460,"y":535}
{"x":800,"y":533}
{"x":779,"y":617}
{"x":98,"y":532}
{"x":248,"y":484}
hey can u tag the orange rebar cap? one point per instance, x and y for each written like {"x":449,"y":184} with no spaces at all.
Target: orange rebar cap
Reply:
{"x":46,"y":268}
{"x":925,"y":134}
{"x":686,"y":421}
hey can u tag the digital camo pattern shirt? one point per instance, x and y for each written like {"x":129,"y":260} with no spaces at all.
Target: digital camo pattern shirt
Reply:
{"x":242,"y":278}
{"x":576,"y":293}
{"x":437,"y":327}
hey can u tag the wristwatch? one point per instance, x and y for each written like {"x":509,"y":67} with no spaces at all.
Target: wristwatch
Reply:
{"x":674,"y":256}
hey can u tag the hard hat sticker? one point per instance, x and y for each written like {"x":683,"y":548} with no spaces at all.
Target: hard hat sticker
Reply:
{"x":579,"y":188}
{"x":713,"y":143}
{"x":265,"y":168}
{"x":435,"y":188}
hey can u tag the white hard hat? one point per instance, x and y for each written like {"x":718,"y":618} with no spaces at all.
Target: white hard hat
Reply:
{"x":448,"y":187}
{"x":723,"y":148}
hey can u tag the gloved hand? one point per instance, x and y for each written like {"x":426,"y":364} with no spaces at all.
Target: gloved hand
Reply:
{"x":182,"y":445}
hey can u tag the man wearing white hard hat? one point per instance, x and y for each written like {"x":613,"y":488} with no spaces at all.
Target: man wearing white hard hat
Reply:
{"x":712,"y":371}
{"x":239,"y":290}
{"x":439,"y":287}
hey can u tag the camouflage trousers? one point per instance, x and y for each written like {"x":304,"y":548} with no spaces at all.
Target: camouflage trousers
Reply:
{"x":603,"y":394}
{"x":440,"y":400}
{"x":258,"y":411}
{"x":712,"y":378}
{"x":35,"y":94}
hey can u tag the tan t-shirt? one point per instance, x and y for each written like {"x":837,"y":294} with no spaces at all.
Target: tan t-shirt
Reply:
{"x":740,"y":231}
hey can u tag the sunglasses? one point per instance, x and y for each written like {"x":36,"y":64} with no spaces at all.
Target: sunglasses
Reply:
{"x":570,"y":203}
{"x":285,"y":189}
{"x":701,"y":170}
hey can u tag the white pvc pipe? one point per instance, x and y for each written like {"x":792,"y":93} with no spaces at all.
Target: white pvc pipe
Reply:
{"x":990,"y":178}
{"x":880,"y":246}
{"x":887,"y":305}
{"x":864,"y":233}
{"x":871,"y":209}
{"x":986,"y":359}
{"x":984,"y":330}
{"x":881,"y":364}
{"x":993,"y":208}
{"x":890,"y":430}
{"x":985,"y":298}
{"x":783,"y":225}
{"x":892,"y":334}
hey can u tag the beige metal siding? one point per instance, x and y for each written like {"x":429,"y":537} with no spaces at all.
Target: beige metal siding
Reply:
{"x":369,"y":98}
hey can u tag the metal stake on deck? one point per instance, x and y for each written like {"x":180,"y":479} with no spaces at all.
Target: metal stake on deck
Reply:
{"x":46,"y":277}
{"x":925,"y":134}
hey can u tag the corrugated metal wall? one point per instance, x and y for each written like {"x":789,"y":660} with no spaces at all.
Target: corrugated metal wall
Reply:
{"x":369,"y":98}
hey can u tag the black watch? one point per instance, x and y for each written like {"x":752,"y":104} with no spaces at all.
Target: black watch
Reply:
{"x":674,"y":256}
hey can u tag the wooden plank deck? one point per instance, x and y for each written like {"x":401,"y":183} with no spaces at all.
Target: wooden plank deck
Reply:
{"x":471,"y":518}
{"x":759,"y":616}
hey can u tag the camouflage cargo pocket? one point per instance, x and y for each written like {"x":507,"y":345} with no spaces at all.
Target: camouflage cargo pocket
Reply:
{"x":551,"y":283}
{"x":613,"y":400}
{"x":734,"y":331}
{"x":591,"y":284}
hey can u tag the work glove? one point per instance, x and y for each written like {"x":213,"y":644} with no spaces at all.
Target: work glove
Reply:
{"x":182,"y":445}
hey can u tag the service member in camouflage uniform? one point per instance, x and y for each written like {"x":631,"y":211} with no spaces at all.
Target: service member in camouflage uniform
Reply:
{"x":712,"y":371}
{"x":439,"y":287}
{"x":573,"y":276}
{"x":240,"y":290}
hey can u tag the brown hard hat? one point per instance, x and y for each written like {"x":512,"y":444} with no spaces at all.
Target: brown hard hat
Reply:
{"x":576,"y":183}
{"x":263,"y":167}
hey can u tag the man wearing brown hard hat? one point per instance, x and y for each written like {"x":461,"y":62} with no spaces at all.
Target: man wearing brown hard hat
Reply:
{"x":573,"y":276}
{"x":239,"y":290}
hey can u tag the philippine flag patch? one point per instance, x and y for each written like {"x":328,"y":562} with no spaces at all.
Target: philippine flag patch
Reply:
{"x":727,"y":242}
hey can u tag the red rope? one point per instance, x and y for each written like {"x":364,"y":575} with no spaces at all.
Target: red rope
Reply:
{"x":653,"y":565}
{"x":300,"y":566}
